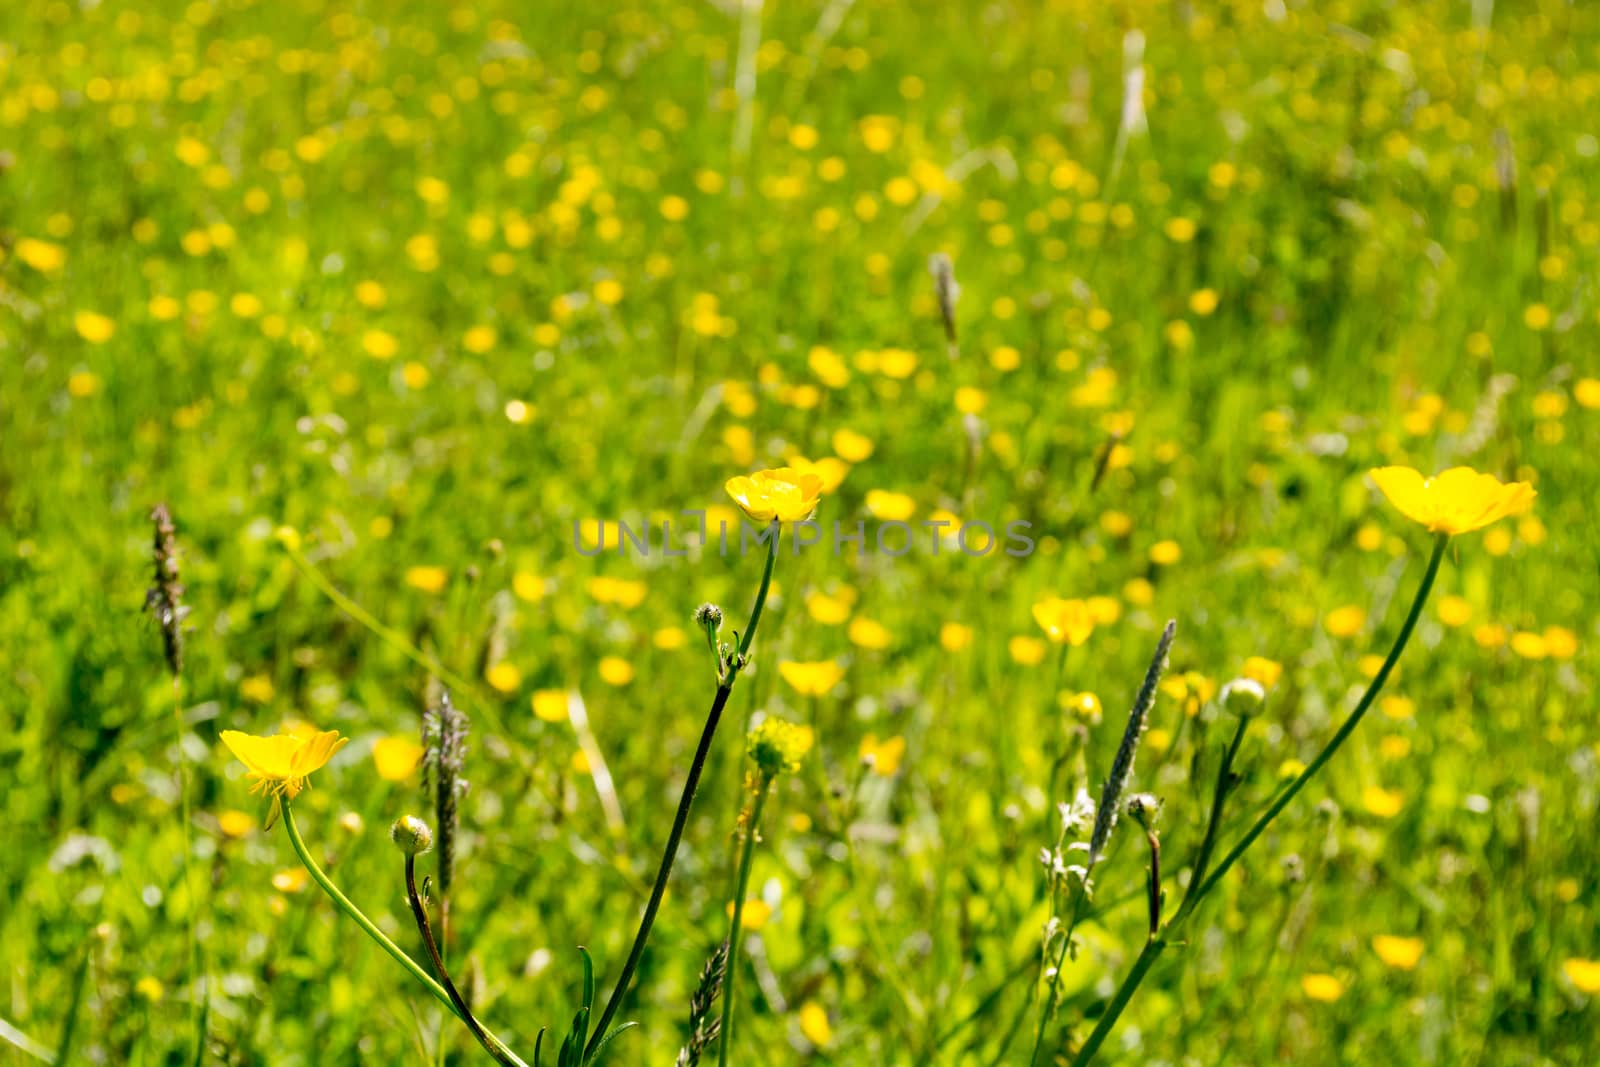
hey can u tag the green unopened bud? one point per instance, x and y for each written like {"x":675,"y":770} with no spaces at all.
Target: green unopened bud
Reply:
{"x":1243,"y":696}
{"x":411,"y":835}
{"x":1143,"y":809}
{"x":708,"y":615}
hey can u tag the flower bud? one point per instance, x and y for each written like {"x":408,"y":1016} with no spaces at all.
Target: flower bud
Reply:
{"x":411,"y":835}
{"x":1143,"y":809}
{"x":708,"y":615}
{"x":1243,"y":697}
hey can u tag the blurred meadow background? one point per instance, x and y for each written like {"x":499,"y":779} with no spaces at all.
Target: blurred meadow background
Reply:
{"x":385,"y":298}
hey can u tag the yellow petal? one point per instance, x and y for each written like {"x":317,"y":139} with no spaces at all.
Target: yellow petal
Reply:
{"x":269,"y":757}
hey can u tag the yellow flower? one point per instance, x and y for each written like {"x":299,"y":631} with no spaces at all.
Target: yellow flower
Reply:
{"x":550,"y":705}
{"x":1384,"y":803}
{"x":1345,"y":621}
{"x":1064,"y":621}
{"x":755,"y":914}
{"x":1401,"y":953}
{"x":814,"y":1024}
{"x":777,"y":746}
{"x":1323,"y":987}
{"x":883,"y":757}
{"x":1585,"y":974}
{"x":869,"y":633}
{"x":429,"y":579}
{"x":1263,"y":670}
{"x":811,"y":679}
{"x":235,"y":823}
{"x":94,"y":327}
{"x":1458,"y":501}
{"x":397,"y":758}
{"x":782,"y":495}
{"x":150,"y":988}
{"x":1025,"y":650}
{"x":953,"y":636}
{"x":281,"y":764}
{"x":890,"y":506}
{"x":614,"y":670}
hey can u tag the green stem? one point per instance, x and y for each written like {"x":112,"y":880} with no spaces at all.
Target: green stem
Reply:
{"x":1219,"y":799}
{"x":1344,"y":732}
{"x":196,"y":1014}
{"x":730,"y":965}
{"x":490,"y":1043}
{"x":1154,"y":946}
{"x":681,"y":817}
{"x":354,"y":913}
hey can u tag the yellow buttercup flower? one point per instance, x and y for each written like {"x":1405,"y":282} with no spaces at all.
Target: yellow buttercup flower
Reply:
{"x":1458,"y":501}
{"x":1064,"y":621}
{"x":280,"y":764}
{"x":811,"y":679}
{"x":782,"y":495}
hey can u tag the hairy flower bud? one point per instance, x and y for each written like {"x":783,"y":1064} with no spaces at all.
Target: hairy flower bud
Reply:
{"x":411,"y":835}
{"x":1243,"y":696}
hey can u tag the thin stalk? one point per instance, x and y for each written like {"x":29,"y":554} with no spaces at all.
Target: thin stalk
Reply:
{"x":490,"y":1044}
{"x":1154,"y":946}
{"x":686,"y":801}
{"x":356,"y":916}
{"x":1219,"y":799}
{"x":1346,"y":730}
{"x":192,"y":903}
{"x":730,"y":966}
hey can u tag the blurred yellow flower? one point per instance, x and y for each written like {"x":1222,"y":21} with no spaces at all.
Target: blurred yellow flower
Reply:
{"x":851,"y":446}
{"x":889,"y":506}
{"x":150,"y":989}
{"x":814,"y":1024}
{"x":42,"y":256}
{"x":1346,"y":621}
{"x":429,"y":579}
{"x":811,"y":679}
{"x":234,"y":823}
{"x":755,"y":914}
{"x":503,"y":677}
{"x":1265,"y":671}
{"x":616,"y":671}
{"x":828,"y":610}
{"x":1384,"y":803}
{"x":883,"y":757}
{"x":1085,"y":705}
{"x":550,"y":705}
{"x":1401,"y":953}
{"x":1165,"y":553}
{"x":953,"y":636}
{"x":1064,"y":621}
{"x":868,"y":633}
{"x":290,"y":880}
{"x":1458,"y":501}
{"x":782,"y":495}
{"x":397,"y":758}
{"x":1585,"y":974}
{"x":93,"y":327}
{"x":1454,"y":610}
{"x":1322,"y":987}
{"x":1027,"y":651}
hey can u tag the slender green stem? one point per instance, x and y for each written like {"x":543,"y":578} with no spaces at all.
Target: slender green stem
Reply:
{"x":761,"y":593}
{"x":490,"y":1043}
{"x":1154,"y":946}
{"x":1344,"y":732}
{"x":1219,"y":800}
{"x":1147,"y":958}
{"x":355,"y":914}
{"x":730,"y":965}
{"x":681,"y":818}
{"x":1047,"y":1007}
{"x":192,"y":903}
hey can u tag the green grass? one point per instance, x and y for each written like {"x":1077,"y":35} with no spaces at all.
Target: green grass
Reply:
{"x":218,"y":179}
